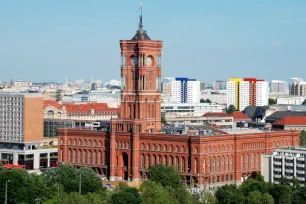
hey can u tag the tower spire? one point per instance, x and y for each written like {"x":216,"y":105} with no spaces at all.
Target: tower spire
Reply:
{"x":140,"y":17}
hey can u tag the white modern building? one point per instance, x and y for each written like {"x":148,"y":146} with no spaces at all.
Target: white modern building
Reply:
{"x":215,"y":96}
{"x":247,"y":92}
{"x":184,"y":90}
{"x":285,"y":162}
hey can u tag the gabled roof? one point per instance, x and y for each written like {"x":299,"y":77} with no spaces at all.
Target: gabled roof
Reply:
{"x":277,"y":115}
{"x":291,"y":120}
{"x":216,"y":114}
{"x":240,"y":116}
{"x":52,"y":103}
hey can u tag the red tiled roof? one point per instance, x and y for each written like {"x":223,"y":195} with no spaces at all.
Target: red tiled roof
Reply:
{"x":215,"y":114}
{"x":52,"y":103}
{"x":98,"y":107}
{"x":291,"y":120}
{"x":240,"y":115}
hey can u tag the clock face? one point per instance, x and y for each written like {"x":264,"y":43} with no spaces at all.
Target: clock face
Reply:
{"x":134,"y":60}
{"x":149,"y":61}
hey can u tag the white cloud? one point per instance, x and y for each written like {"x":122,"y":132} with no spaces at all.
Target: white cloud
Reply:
{"x":276,"y":43}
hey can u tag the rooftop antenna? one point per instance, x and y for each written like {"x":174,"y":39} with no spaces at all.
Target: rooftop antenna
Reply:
{"x":140,"y":22}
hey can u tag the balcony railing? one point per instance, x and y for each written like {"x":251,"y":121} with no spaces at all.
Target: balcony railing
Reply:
{"x":300,"y":172}
{"x":289,"y":164}
{"x":278,"y":169}
{"x":301,"y":178}
{"x":300,"y":158}
{"x":277,"y":163}
{"x":289,"y":177}
{"x":277,"y":176}
{"x":289,"y":170}
{"x":301,"y":165}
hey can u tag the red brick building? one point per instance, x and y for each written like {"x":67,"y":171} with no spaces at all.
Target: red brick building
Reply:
{"x":207,"y":158}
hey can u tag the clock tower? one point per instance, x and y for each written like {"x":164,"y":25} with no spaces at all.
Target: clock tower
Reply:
{"x":141,"y":80}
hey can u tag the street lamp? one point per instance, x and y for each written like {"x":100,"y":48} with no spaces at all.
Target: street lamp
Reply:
{"x":5,"y":202}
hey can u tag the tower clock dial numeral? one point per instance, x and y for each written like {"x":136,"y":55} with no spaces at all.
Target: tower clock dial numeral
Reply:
{"x":134,"y":60}
{"x":149,"y":61}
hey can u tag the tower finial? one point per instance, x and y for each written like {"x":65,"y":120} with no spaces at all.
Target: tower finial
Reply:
{"x":140,"y":20}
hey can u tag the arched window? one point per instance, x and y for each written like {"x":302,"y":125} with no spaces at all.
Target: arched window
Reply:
{"x":177,"y":162}
{"x":69,"y":155}
{"x":84,"y":142}
{"x":94,"y":143}
{"x":79,"y":156}
{"x":204,"y":150}
{"x":165,"y":148}
{"x":89,"y":157}
{"x":183,"y":149}
{"x":217,"y":162}
{"x":171,"y":161}
{"x":246,"y":161}
{"x":154,"y":147}
{"x":231,"y":148}
{"x":89,"y":143}
{"x":154,"y":160}
{"x":50,"y":114}
{"x":226,"y":163}
{"x":222,"y":150}
{"x":196,"y":166}
{"x":117,"y":145}
{"x":100,"y":158}
{"x":148,"y":147}
{"x":222,"y":163}
{"x":208,"y":151}
{"x":159,"y":159}
{"x":74,"y":156}
{"x":218,"y":148}
{"x":231,"y":162}
{"x":204,"y":166}
{"x":183,"y":164}
{"x":226,"y":148}
{"x":213,"y":149}
{"x":74,"y":142}
{"x":149,"y":161}
{"x":120,"y":146}
{"x":84,"y":156}
{"x":208,"y":165}
{"x":94,"y":157}
{"x":62,"y":141}
{"x":100,"y":143}
{"x":170,"y":149}
{"x":124,"y":145}
{"x":196,"y":150}
{"x":159,"y":147}
{"x":257,"y":161}
{"x":142,"y":161}
{"x":252,"y":161}
{"x":165,"y":161}
{"x":142,"y":146}
{"x":176,"y":148}
{"x":213,"y":164}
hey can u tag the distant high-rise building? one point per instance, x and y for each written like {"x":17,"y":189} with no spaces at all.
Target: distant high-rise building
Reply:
{"x":166,"y":86}
{"x":247,"y":92}
{"x":278,"y":87}
{"x":202,"y":86}
{"x":298,"y":87}
{"x":219,"y":85}
{"x":185,"y":90}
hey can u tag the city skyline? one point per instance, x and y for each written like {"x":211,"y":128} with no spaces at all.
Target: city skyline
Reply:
{"x":49,"y":41}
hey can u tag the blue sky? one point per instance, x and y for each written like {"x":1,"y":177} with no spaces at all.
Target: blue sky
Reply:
{"x":203,"y":39}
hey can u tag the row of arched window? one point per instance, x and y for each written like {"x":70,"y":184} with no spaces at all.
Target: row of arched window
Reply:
{"x":250,"y":161}
{"x":79,"y":142}
{"x":169,"y":148}
{"x":216,"y":164}
{"x":86,"y":157}
{"x":152,"y":160}
{"x":122,"y":145}
{"x":253,"y":145}
{"x":284,"y":143}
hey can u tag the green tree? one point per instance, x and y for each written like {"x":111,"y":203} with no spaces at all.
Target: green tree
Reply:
{"x":267,"y":198}
{"x":230,"y":109}
{"x":272,"y":101}
{"x":166,"y":176}
{"x":69,"y":178}
{"x":163,"y":120}
{"x":281,"y":193}
{"x":58,"y":95}
{"x":303,"y":138}
{"x":155,"y":193}
{"x":229,"y":194}
{"x":23,"y":187}
{"x":126,"y":196}
{"x":304,"y":102}
{"x":204,"y":197}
